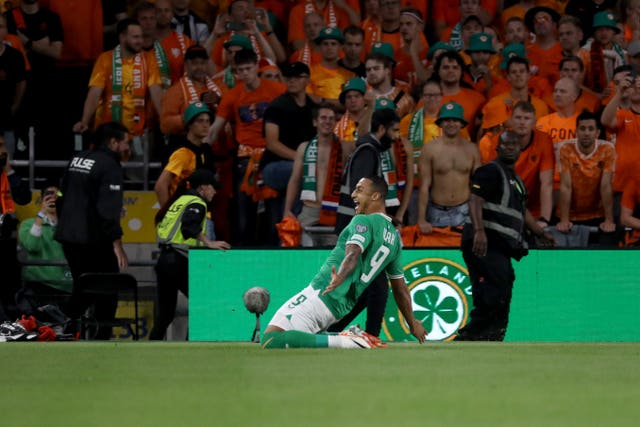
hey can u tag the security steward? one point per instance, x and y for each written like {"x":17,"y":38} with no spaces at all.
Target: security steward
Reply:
{"x":181,"y":225}
{"x":89,"y":210}
{"x":493,"y":235}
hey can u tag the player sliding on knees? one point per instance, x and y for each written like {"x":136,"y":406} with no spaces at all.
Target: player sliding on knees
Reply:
{"x":367,"y":246}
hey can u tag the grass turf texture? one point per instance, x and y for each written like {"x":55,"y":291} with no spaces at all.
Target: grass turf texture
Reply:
{"x":207,"y":384}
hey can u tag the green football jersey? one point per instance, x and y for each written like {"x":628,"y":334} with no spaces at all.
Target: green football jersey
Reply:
{"x":381,"y":251}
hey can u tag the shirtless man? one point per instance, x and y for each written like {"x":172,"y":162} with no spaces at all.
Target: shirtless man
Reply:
{"x":311,"y":168}
{"x":446,"y":165}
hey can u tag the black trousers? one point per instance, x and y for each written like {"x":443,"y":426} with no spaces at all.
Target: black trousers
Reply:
{"x":172,"y":273}
{"x":9,"y":279}
{"x":374,"y":299}
{"x":92,"y":258}
{"x":492,"y":280}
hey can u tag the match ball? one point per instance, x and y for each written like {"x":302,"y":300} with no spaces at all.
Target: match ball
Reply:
{"x":256,"y":300}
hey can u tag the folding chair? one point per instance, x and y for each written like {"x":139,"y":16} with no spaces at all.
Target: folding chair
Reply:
{"x":106,"y":284}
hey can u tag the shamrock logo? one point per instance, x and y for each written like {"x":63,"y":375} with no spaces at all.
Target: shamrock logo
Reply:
{"x":435,"y":313}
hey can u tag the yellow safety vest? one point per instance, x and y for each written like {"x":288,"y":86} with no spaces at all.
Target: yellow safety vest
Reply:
{"x":169,"y":228}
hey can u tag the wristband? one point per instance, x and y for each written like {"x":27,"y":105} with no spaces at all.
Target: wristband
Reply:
{"x":42,"y":215}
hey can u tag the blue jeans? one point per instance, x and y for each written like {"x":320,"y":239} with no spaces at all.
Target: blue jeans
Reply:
{"x":276,"y":175}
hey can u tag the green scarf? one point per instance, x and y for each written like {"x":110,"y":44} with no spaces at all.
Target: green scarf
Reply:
{"x":163,"y":64}
{"x":228,"y":78}
{"x":309,"y":171}
{"x":389,"y":174}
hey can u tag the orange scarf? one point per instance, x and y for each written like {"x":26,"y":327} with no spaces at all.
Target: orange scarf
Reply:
{"x":6,"y":201}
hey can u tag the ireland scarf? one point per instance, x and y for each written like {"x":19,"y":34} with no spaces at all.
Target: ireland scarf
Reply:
{"x":331,"y":193}
{"x":139,"y":89}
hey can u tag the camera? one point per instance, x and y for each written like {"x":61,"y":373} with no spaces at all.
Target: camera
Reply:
{"x":235,"y":26}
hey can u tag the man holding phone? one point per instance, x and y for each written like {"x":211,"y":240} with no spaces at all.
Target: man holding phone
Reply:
{"x":243,"y":19}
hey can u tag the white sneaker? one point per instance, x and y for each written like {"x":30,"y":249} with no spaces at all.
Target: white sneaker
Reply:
{"x":348,"y":340}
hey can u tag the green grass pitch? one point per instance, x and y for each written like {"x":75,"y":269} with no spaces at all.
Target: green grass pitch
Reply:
{"x":229,"y":384}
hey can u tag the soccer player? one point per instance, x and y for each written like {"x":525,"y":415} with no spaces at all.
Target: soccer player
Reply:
{"x":367,"y":246}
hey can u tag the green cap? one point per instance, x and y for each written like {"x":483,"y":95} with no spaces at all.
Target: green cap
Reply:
{"x":481,"y":42}
{"x":329,"y":33}
{"x":436,"y":47}
{"x":451,"y":110}
{"x":238,"y":40}
{"x":355,"y":83}
{"x":194,"y":110}
{"x":383,"y":48}
{"x":605,"y":19}
{"x":511,"y":50}
{"x":384,"y":103}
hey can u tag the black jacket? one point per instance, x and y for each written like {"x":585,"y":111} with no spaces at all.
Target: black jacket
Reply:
{"x":91,"y":203}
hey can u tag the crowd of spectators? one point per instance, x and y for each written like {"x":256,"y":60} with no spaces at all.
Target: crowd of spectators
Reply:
{"x":275,"y":75}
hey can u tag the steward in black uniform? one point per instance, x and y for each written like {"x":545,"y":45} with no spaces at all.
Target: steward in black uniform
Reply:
{"x":89,"y":218}
{"x":493,"y":234}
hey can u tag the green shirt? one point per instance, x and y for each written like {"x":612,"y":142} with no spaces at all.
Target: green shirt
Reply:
{"x":381,"y":251}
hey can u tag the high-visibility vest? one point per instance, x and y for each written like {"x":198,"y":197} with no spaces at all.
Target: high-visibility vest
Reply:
{"x":169,"y":228}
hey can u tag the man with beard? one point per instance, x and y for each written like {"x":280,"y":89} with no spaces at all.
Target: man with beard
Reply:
{"x":492,"y":236}
{"x":89,"y":220}
{"x":446,"y":166}
{"x":126,"y":66}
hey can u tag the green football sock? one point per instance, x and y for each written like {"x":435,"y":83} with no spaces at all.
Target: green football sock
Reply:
{"x":294,"y":339}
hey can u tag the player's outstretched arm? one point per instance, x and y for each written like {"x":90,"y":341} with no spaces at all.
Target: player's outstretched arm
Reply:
{"x":403,"y":300}
{"x":352,"y":254}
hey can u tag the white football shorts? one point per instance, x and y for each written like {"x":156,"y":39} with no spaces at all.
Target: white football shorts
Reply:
{"x":304,"y":312}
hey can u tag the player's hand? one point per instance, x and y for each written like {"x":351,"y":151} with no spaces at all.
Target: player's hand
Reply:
{"x":418,"y":331}
{"x":425,"y":226}
{"x":480,"y":243}
{"x":336,"y":280}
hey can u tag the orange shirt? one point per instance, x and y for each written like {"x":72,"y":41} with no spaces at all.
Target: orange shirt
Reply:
{"x":339,"y":18}
{"x":404,"y":69}
{"x":448,"y":11}
{"x":586,"y":172}
{"x":587,"y":101}
{"x":547,"y":61}
{"x":538,"y":86}
{"x":627,"y":148}
{"x":218,"y":54}
{"x":472,"y":102}
{"x":306,"y":55}
{"x":175,"y":45}
{"x":14,"y":41}
{"x":559,"y":129}
{"x":177,"y":99}
{"x":631,"y":195}
{"x":326,"y":82}
{"x":405,"y":104}
{"x":101,"y":76}
{"x":534,"y":159}
{"x":181,"y":164}
{"x":498,"y":110}
{"x":246,"y":109}
{"x":82,"y":18}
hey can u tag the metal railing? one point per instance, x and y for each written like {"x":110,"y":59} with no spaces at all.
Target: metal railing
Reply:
{"x":32,"y":163}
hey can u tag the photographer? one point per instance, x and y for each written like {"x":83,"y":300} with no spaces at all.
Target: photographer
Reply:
{"x":49,"y":283}
{"x":12,"y":191}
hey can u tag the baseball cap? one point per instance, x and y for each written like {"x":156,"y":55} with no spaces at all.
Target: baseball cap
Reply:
{"x":238,"y":40}
{"x":451,"y":110}
{"x":329,"y":33}
{"x":202,"y":177}
{"x":296,"y":69}
{"x":194,"y":110}
{"x":196,"y":51}
{"x":354,"y":83}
